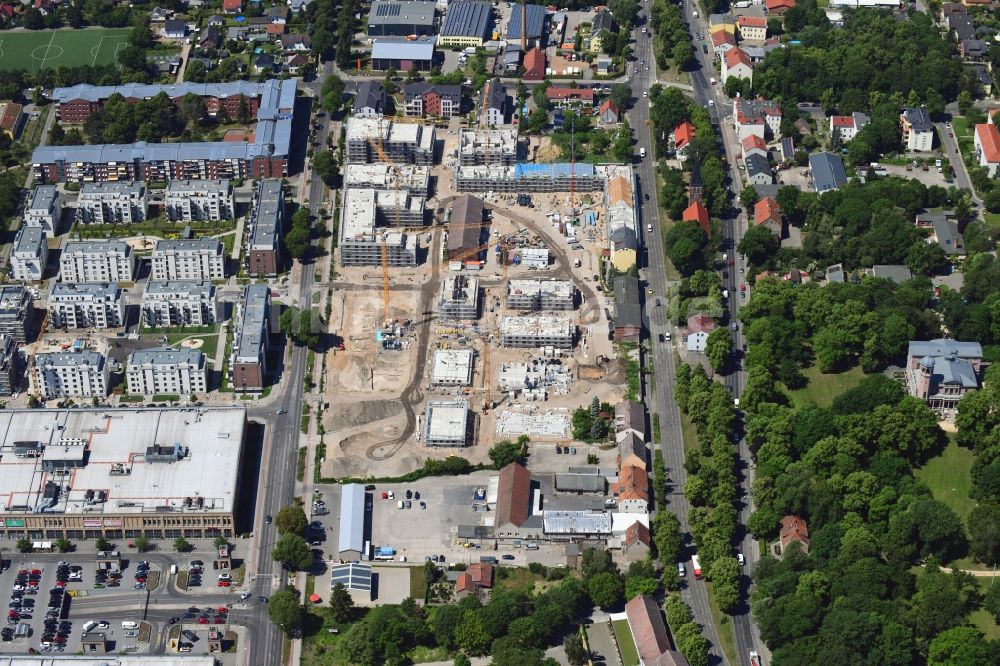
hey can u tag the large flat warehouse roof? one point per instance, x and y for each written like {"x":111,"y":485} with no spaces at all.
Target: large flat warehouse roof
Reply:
{"x":143,"y":460}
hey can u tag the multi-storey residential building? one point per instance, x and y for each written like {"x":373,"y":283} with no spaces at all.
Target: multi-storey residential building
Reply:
{"x":917,"y":129}
{"x":30,"y":254}
{"x":264,"y":229}
{"x":179,"y":303}
{"x":188,"y":200}
{"x":112,"y":203}
{"x":96,"y":261}
{"x":541,"y":295}
{"x":756,"y":116}
{"x":427,"y":99}
{"x":86,"y":306}
{"x":10,"y":365}
{"x":194,"y":259}
{"x":404,"y":143}
{"x":43,"y":209}
{"x":847,"y":127}
{"x":16,"y":312}
{"x":264,"y":156}
{"x":166,"y":371}
{"x":248,"y":363}
{"x":493,"y":104}
{"x":80,"y":374}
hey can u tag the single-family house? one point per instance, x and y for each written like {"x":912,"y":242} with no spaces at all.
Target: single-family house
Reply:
{"x":173,"y":29}
{"x":698,"y":327}
{"x":682,"y":136}
{"x":608,"y":113}
{"x":534,"y":65}
{"x":754,"y":145}
{"x":216,"y":21}
{"x":232,"y":6}
{"x":624,"y":248}
{"x":697,"y":212}
{"x":263,"y":63}
{"x":630,"y":416}
{"x":973,"y":49}
{"x":722,"y":42}
{"x":758,"y":170}
{"x":736,"y":63}
{"x":917,"y":129}
{"x":278,"y":14}
{"x":793,"y":530}
{"x":767,"y":213}
{"x":570,"y":97}
{"x":294,"y":63}
{"x":722,"y":22}
{"x":493,"y":103}
{"x":275,"y":29}
{"x":987,"y":143}
{"x":633,"y":490}
{"x":296,"y":43}
{"x":159,"y":14}
{"x":827,"y":172}
{"x":944,"y":232}
{"x":847,"y":127}
{"x":603,"y":22}
{"x":210,"y":38}
{"x":636,"y":542}
{"x":478,"y":575}
{"x":752,"y":28}
{"x":370,"y":101}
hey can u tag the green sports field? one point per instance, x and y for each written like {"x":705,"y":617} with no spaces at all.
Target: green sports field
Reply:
{"x":35,"y":50}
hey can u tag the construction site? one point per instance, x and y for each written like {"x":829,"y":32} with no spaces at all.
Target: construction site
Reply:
{"x":484,"y":318}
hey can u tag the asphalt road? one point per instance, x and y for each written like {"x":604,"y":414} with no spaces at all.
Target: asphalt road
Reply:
{"x":277,"y":480}
{"x":662,"y":400}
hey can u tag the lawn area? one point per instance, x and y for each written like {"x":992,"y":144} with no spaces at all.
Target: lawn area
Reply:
{"x":725,"y":625}
{"x":418,"y":583}
{"x":690,"y":434}
{"x":948,"y":476}
{"x":986,"y":624}
{"x":518,"y":578}
{"x":626,"y":646}
{"x":823,"y":388}
{"x":209,"y":348}
{"x":992,"y":220}
{"x":37,"y":49}
{"x":319,"y":647}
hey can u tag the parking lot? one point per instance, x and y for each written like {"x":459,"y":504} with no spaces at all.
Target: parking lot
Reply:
{"x":43,"y":594}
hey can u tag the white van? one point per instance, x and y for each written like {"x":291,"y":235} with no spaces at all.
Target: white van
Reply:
{"x":642,"y":153}
{"x":129,"y":624}
{"x":89,"y":626}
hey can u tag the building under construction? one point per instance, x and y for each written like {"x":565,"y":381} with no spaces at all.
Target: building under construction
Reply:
{"x":459,"y":298}
{"x":404,"y":143}
{"x":414,"y":180}
{"x":529,"y":332}
{"x":361,"y":241}
{"x":541,"y":295}
{"x":522,"y":177}
{"x":493,"y":147}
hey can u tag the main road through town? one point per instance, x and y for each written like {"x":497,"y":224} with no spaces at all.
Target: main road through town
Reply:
{"x":661,"y":398}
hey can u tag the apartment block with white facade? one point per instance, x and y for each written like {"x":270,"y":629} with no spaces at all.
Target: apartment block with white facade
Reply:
{"x":188,"y":200}
{"x":194,"y":259}
{"x":96,"y":261}
{"x":43,"y":209}
{"x":112,"y":203}
{"x":166,"y":371}
{"x":82,"y":374}
{"x":30,"y":254}
{"x":179,"y":303}
{"x":86,"y":306}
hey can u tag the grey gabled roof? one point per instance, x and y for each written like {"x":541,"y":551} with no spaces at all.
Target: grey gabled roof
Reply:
{"x":352,"y":518}
{"x":446,"y":91}
{"x":919,"y":119}
{"x":467,"y":18}
{"x":757,"y":163}
{"x":948,"y":235}
{"x":628,"y":311}
{"x":623,"y":238}
{"x":496,"y":92}
{"x":173,"y":26}
{"x":370,"y":95}
{"x":942,"y":347}
{"x":603,"y":21}
{"x":392,"y":50}
{"x":896,"y":273}
{"x":827,"y":171}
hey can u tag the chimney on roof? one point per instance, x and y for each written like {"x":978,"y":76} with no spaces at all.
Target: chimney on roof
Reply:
{"x":524,"y":26}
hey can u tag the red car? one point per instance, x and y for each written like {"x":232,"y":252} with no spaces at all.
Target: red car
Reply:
{"x":22,"y":572}
{"x":140,"y":579}
{"x":222,"y":610}
{"x":60,"y":583}
{"x":32,"y":583}
{"x":202,"y":620}
{"x":219,"y":619}
{"x":36,"y":572}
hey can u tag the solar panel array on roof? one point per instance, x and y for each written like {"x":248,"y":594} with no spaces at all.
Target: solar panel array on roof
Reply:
{"x":387,"y":10}
{"x":466,"y":18}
